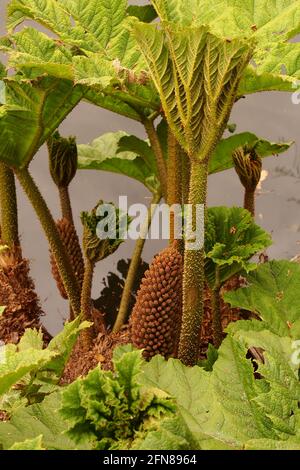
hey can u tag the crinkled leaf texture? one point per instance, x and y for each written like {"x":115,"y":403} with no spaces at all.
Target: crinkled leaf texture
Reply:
{"x":232,"y":238}
{"x":96,"y":48}
{"x":196,"y":75}
{"x":272,"y":293}
{"x":16,"y":364}
{"x":29,"y":357}
{"x":271,"y":23}
{"x":41,"y":419}
{"x":31,"y":114}
{"x":111,"y":410}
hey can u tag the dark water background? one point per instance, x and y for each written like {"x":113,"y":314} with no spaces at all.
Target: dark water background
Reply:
{"x":269,"y":115}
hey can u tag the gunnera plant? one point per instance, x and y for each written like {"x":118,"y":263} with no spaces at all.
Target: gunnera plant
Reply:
{"x":156,"y":317}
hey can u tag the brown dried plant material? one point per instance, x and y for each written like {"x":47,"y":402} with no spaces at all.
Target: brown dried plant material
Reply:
{"x":81,"y":362}
{"x":71,"y":241}
{"x":18,"y":296}
{"x":4,"y":416}
{"x":228,"y":314}
{"x":156,"y":317}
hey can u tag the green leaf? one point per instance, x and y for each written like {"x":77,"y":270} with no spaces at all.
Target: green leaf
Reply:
{"x":42,"y":419}
{"x":178,"y":58}
{"x":29,"y":444}
{"x":16,"y":365}
{"x":111,"y":410}
{"x":2,"y":310}
{"x":228,"y":407}
{"x":95,"y":47}
{"x":222,"y":157}
{"x":32,"y":339}
{"x":122,"y":154}
{"x":232,"y":238}
{"x":63,"y":343}
{"x":172,"y":433}
{"x":31,"y":114}
{"x":212,"y":355}
{"x":270,"y":23}
{"x":272,"y":294}
{"x":145,"y":13}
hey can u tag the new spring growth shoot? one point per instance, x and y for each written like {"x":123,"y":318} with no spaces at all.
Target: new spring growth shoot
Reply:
{"x":63,"y":162}
{"x":104,"y":229}
{"x":248,"y":166}
{"x":197,"y":76}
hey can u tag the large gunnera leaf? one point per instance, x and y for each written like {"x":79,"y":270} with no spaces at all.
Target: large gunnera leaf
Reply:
{"x":273,"y":294}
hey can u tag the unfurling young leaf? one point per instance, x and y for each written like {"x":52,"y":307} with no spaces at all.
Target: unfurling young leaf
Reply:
{"x":104,"y":230}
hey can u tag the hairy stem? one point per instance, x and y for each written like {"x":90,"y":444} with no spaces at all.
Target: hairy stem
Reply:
{"x":9,"y":208}
{"x":193,"y":276}
{"x":134,"y":265}
{"x":249,"y":201}
{"x":65,"y":204}
{"x":86,"y":303}
{"x":174,"y":180}
{"x":216,"y":309}
{"x":156,"y":147}
{"x":185,"y":175}
{"x":50,"y":229}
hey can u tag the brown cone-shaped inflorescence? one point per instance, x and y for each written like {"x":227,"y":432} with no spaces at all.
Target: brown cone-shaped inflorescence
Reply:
{"x":71,"y":241}
{"x":156,"y":317}
{"x":17,"y":294}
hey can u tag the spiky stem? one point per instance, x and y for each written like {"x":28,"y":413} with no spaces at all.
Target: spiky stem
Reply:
{"x":86,"y":303}
{"x":65,"y":204}
{"x":156,"y":147}
{"x":133,"y":268}
{"x":9,"y":209}
{"x":58,"y":249}
{"x":216,"y":309}
{"x":249,"y":201}
{"x":193,"y":277}
{"x":185,"y":175}
{"x":174,"y":180}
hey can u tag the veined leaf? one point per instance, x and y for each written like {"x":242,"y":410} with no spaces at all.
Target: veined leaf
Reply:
{"x":122,"y":154}
{"x":196,"y":75}
{"x":95,"y":46}
{"x":16,"y":365}
{"x":222,"y":158}
{"x":31,"y":114}
{"x":270,"y":22}
{"x":272,"y":295}
{"x":39,"y":419}
{"x":100,"y":407}
{"x":232,"y":238}
{"x":227,"y":407}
